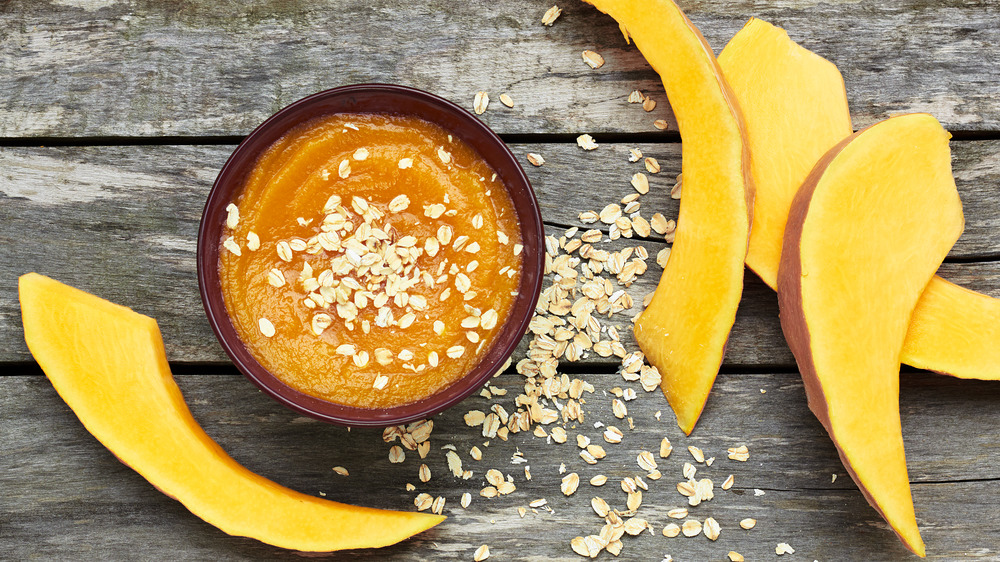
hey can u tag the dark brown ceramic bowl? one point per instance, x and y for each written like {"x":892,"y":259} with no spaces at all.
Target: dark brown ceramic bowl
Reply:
{"x":371,"y":98}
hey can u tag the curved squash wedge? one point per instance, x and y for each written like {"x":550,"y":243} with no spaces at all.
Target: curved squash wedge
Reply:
{"x":795,"y":108}
{"x":107,"y":362}
{"x":865,"y":234}
{"x":684,"y":329}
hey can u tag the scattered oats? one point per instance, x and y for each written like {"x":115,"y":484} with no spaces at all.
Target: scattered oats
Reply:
{"x":689,"y":471}
{"x":709,"y":461}
{"x":434,"y":210}
{"x":482,"y":553}
{"x":454,"y":463}
{"x":649,"y":104}
{"x":488,"y":492}
{"x":619,"y":410}
{"x":266,"y":327}
{"x":399,"y":203}
{"x":675,"y":191}
{"x":410,"y":487}
{"x":276,"y":278}
{"x":636,"y":97}
{"x":380,"y":381}
{"x":613,"y":435}
{"x":757,"y":492}
{"x":506,"y":100}
{"x":610,"y":214}
{"x":231,"y":245}
{"x":748,"y":523}
{"x":424,"y":449}
{"x":550,"y":15}
{"x":646,"y":461}
{"x":579,"y":545}
{"x":661,"y":258}
{"x":728,"y":483}
{"x":232,"y":216}
{"x":284,"y":251}
{"x":570,"y":483}
{"x":691,"y":528}
{"x":396,"y":454}
{"x":697,"y":453}
{"x":444,"y":155}
{"x":592,"y":59}
{"x":634,"y":154}
{"x":455,"y":351}
{"x":659,"y":223}
{"x":321,"y":322}
{"x":361,"y":154}
{"x":586,"y":142}
{"x":558,"y":434}
{"x":598,"y":480}
{"x":423,"y":502}
{"x":597,"y":451}
{"x":438,"y":505}
{"x":517,"y":249}
{"x":438,"y":327}
{"x":344,"y":169}
{"x":735,"y":556}
{"x":253,"y":241}
{"x":640,"y":182}
{"x":541,"y":502}
{"x":341,"y":471}
{"x":652,"y":165}
{"x":739,"y":453}
{"x":405,"y":163}
{"x":476,"y":453}
{"x":600,"y":507}
{"x":677,"y":513}
{"x":481,"y":102}
{"x":661,"y":124}
{"x":711,"y":528}
{"x":589,"y":217}
{"x":635,"y":526}
{"x":783,"y":548}
{"x":466,"y":499}
{"x":535,"y":159}
{"x":424,"y":473}
{"x":833,"y":478}
{"x":671,"y":530}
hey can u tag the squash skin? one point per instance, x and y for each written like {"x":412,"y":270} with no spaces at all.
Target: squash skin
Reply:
{"x":683,"y":331}
{"x":866,"y":232}
{"x":954,"y":331}
{"x":108,"y":363}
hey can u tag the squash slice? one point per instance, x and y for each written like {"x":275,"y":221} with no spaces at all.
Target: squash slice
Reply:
{"x":866,"y":232}
{"x":108,"y":363}
{"x":795,"y":108}
{"x":684,"y":329}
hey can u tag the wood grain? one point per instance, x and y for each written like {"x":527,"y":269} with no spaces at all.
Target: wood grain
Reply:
{"x":66,"y":496}
{"x":122,"y":222}
{"x":99,"y":68}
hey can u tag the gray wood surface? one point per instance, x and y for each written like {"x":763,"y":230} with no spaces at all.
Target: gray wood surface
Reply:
{"x":105,"y":68}
{"x":157,"y":86}
{"x":122,"y":222}
{"x":66,"y":496}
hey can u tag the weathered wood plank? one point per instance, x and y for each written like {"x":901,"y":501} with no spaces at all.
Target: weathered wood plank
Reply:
{"x":122,"y":222}
{"x":107,"y":68}
{"x":65,"y":495}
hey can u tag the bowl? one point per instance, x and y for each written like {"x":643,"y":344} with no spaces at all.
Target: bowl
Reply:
{"x":371,"y":98}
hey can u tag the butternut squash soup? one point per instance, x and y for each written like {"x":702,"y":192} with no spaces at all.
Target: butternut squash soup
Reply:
{"x":370,"y":259}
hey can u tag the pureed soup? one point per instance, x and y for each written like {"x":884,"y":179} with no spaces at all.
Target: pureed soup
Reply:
{"x":371,"y":259}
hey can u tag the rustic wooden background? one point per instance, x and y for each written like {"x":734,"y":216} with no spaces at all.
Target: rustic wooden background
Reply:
{"x":116,"y":116}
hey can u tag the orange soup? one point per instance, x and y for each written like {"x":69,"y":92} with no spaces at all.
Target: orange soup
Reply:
{"x":370,"y":259}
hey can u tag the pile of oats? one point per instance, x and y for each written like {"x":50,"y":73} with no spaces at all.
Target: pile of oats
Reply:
{"x":581,"y":310}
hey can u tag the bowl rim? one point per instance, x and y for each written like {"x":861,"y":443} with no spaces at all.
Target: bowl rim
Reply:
{"x":493,"y":358}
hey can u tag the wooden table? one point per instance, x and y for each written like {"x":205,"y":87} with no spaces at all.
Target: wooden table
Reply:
{"x":115,"y":118}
